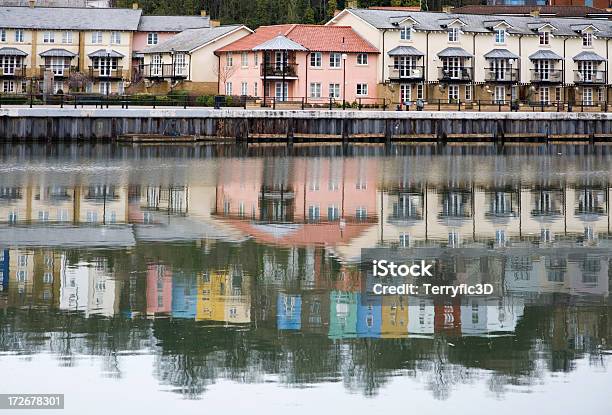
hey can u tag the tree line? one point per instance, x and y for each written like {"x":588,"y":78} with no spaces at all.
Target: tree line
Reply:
{"x":255,"y":13}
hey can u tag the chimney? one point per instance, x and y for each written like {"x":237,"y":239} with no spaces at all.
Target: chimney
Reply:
{"x":535,"y":13}
{"x":215,"y":23}
{"x":447,"y":9}
{"x":135,"y":6}
{"x":203,"y":13}
{"x":32,"y":3}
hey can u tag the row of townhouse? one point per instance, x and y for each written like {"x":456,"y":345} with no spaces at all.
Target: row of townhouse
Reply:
{"x":98,"y":50}
{"x":467,"y":57}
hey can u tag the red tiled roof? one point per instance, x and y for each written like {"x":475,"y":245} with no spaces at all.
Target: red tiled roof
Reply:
{"x":558,"y":11}
{"x":313,"y":37}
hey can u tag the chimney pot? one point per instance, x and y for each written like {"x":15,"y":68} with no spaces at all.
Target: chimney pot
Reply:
{"x":203,"y":13}
{"x":135,"y":6}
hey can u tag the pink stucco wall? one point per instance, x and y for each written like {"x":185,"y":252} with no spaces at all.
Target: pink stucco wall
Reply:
{"x":306,"y":75}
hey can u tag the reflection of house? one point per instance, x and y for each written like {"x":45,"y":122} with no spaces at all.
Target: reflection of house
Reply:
{"x":14,"y":204}
{"x":21,"y":277}
{"x":395,"y":316}
{"x":315,"y":311}
{"x":4,"y":270}
{"x":224,"y":297}
{"x":102,"y":204}
{"x":421,"y":315}
{"x":369,"y":316}
{"x":159,"y":289}
{"x":89,"y":287}
{"x":52,"y":204}
{"x":184,"y":295}
{"x":343,"y":314}
{"x":288,"y":311}
{"x":447,"y":318}
{"x":480,"y":316}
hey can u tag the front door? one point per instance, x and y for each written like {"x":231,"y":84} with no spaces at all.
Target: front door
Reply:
{"x":405,"y":93}
{"x":500,"y":94}
{"x":279,"y":60}
{"x":281,"y":91}
{"x":156,"y":65}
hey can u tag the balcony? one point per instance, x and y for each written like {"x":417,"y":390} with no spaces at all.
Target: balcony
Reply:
{"x":164,"y":71}
{"x":501,"y":75}
{"x":107,"y":72}
{"x":279,"y":71}
{"x":551,"y":76}
{"x":13,"y":72}
{"x":59,"y":71}
{"x":455,"y":74}
{"x":590,"y":77}
{"x":406,"y":73}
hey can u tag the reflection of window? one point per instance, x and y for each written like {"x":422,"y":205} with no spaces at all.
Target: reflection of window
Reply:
{"x":361,"y":213}
{"x":404,"y":240}
{"x":314,"y":212}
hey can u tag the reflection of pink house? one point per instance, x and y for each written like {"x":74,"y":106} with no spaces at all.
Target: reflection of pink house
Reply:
{"x":295,"y":61}
{"x":157,"y":29}
{"x":159,"y":289}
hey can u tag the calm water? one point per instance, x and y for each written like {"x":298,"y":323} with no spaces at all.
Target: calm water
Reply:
{"x":200,"y":279}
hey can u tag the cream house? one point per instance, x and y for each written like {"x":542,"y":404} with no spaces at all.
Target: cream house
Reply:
{"x":187,"y":61}
{"x":493,"y":58}
{"x":47,"y":46}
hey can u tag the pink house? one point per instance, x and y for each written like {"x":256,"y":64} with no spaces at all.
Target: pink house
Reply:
{"x":159,"y":289}
{"x":293,"y":61}
{"x":157,"y":29}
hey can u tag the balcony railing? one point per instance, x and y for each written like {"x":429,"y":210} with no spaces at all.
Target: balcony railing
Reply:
{"x":501,"y":75}
{"x":406,"y":73}
{"x":287,"y":70}
{"x":589,"y":77}
{"x":164,"y":70}
{"x":546,"y":76}
{"x":13,"y":71}
{"x":455,"y":74}
{"x":107,"y":72}
{"x":59,"y":71}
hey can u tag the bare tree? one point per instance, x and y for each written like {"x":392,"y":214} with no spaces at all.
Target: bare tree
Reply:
{"x":223,"y":73}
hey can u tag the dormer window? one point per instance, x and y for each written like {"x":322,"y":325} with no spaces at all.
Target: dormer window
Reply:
{"x":587,"y":39}
{"x":453,"y":34}
{"x":500,"y":36}
{"x":544,"y":38}
{"x":405,"y":33}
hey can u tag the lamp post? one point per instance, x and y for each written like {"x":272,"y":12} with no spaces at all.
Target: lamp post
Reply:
{"x":344,"y":57}
{"x":173,"y":69}
{"x":109,"y":67}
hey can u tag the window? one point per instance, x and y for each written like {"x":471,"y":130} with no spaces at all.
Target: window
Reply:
{"x":334,"y":90}
{"x":228,"y":88}
{"x":544,"y":95}
{"x":587,"y":39}
{"x":600,"y":94}
{"x":544,"y":38}
{"x":2,"y":35}
{"x":19,"y":37}
{"x":255,"y":91}
{"x":48,"y":37}
{"x":405,"y":33}
{"x":244,"y":88}
{"x":453,"y":92}
{"x":229,"y":59}
{"x":96,"y":37}
{"x":405,"y":93}
{"x":361,"y":214}
{"x":500,"y":94}
{"x":315,"y":59}
{"x":334,"y":60}
{"x":255,"y":58}
{"x":362,"y":59}
{"x":315,"y":90}
{"x":244,"y":59}
{"x":420,"y":91}
{"x":500,"y":36}
{"x":67,"y":37}
{"x":152,"y":39}
{"x":587,"y":96}
{"x":120,"y":91}
{"x":362,"y":89}
{"x":8,"y":87}
{"x":468,"y":92}
{"x":453,"y":34}
{"x":105,"y":88}
{"x":558,"y":94}
{"x":333,"y":213}
{"x":116,"y":38}
{"x":404,"y":240}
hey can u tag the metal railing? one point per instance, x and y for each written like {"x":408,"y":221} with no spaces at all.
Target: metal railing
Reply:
{"x":543,"y":76}
{"x":163,"y":70}
{"x":455,"y":74}
{"x":59,"y":71}
{"x":406,"y":72}
{"x":589,"y":77}
{"x":279,"y":70}
{"x":108,"y":72}
{"x":501,"y":75}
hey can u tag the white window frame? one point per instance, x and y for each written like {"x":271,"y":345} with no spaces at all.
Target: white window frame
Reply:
{"x":255,"y":89}
{"x":500,"y":36}
{"x":229,"y":88}
{"x":67,"y":37}
{"x":115,"y":38}
{"x":316,"y":59}
{"x":2,"y":35}
{"x":244,"y":88}
{"x":405,"y":93}
{"x":468,"y":92}
{"x":105,"y":87}
{"x":499,"y":96}
{"x":420,"y":91}
{"x":544,"y":95}
{"x":362,"y":59}
{"x":244,"y":59}
{"x":229,"y":59}
{"x":8,"y":87}
{"x":361,"y":90}
{"x":335,"y":60}
{"x":19,"y":36}
{"x":334,"y":90}
{"x":406,"y":33}
{"x":587,"y":96}
{"x":315,"y":90}
{"x":587,"y":39}
{"x":544,"y":38}
{"x":96,"y":37}
{"x":453,"y":34}
{"x":152,"y":38}
{"x":453,"y":93}
{"x":48,"y":37}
